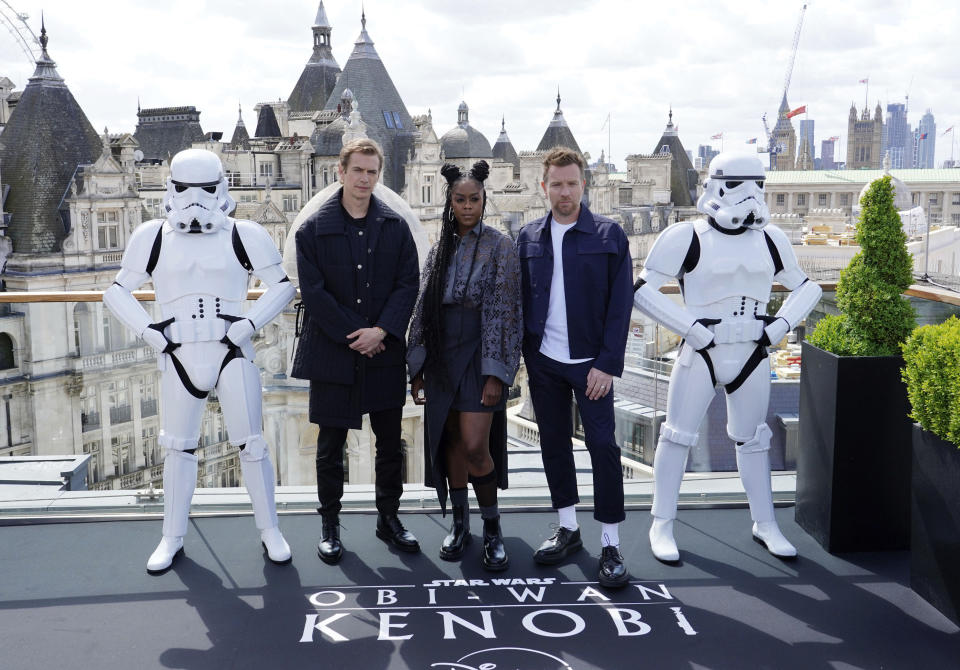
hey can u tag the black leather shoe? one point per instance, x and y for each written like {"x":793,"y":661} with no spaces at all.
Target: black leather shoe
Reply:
{"x":613,"y":574}
{"x":494,"y":557}
{"x":563,"y":543}
{"x":391,"y":531}
{"x":330,"y":550}
{"x":457,"y":540}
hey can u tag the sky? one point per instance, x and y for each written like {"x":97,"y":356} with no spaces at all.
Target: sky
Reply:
{"x":720,"y":65}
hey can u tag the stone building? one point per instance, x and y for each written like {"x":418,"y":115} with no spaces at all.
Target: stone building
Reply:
{"x":163,"y":131}
{"x":864,"y":139}
{"x":783,"y":140}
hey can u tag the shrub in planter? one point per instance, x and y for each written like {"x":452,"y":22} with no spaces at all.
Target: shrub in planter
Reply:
{"x":854,"y":430}
{"x":874,"y":316}
{"x":932,"y":375}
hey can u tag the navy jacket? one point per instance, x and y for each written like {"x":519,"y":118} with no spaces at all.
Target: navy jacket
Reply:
{"x":330,"y":287}
{"x":598,"y":281}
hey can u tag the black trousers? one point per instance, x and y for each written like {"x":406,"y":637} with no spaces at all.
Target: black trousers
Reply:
{"x":551,"y":384}
{"x":388,"y":463}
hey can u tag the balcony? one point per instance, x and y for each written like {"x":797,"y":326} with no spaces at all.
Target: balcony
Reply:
{"x":148,"y":408}
{"x":728,"y":604}
{"x":121,"y":414}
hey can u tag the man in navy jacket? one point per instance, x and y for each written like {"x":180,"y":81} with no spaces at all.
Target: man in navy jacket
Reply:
{"x":359,"y":276}
{"x":577,"y":302}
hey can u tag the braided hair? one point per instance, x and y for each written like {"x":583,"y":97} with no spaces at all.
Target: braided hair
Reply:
{"x":433,"y":296}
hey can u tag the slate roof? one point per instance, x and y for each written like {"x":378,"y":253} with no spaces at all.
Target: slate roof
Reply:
{"x":376,"y":96}
{"x":319,"y":76}
{"x":164,"y":131}
{"x":241,"y":138}
{"x":683,"y":176}
{"x":465,"y":141}
{"x":46,"y":138}
{"x":503,"y":147}
{"x":267,"y":125}
{"x":558,"y":133}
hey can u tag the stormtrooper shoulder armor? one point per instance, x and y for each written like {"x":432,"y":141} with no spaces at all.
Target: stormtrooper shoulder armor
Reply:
{"x":786,"y":269}
{"x":254,"y":247}
{"x":671,"y":252}
{"x":141,"y":254}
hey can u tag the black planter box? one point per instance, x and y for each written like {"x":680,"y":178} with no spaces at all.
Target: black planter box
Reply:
{"x":853,"y":456}
{"x":935,"y":522}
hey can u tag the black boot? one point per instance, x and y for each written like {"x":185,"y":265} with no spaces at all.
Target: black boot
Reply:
{"x":457,"y":540}
{"x":330,"y":550}
{"x":391,"y":531}
{"x":494,"y":556}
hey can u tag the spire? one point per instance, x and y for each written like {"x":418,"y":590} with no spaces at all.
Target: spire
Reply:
{"x":503,"y":124}
{"x":363,"y":47}
{"x":46,"y":73}
{"x":558,"y":119}
{"x":670,"y":130}
{"x":321,"y":20}
{"x":558,"y":100}
{"x":239,"y":114}
{"x":463,"y":115}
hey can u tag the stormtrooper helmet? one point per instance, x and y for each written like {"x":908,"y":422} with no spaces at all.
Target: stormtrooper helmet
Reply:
{"x":197,"y":200}
{"x":733,"y":193}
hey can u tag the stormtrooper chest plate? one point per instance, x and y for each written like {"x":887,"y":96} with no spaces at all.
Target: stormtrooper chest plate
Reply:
{"x":729,"y":266}
{"x":199,"y":264}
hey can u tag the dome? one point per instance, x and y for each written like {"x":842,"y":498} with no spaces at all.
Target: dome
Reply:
{"x":465,"y":141}
{"x":902,"y":195}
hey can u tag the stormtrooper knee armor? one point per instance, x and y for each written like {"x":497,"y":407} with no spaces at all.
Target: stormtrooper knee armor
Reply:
{"x":200,"y":261}
{"x":726,"y":265}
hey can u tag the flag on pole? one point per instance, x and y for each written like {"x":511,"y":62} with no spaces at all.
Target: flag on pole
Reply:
{"x":948,"y":130}
{"x":835,"y":138}
{"x":923,"y":137}
{"x":717,"y":137}
{"x":864,"y":81}
{"x":798,"y":110}
{"x":752,"y":140}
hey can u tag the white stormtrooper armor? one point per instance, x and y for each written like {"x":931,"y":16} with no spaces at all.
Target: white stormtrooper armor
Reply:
{"x":726,"y":265}
{"x":200,"y":261}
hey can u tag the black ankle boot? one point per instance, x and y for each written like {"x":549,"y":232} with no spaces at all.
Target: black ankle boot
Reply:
{"x":457,"y":540}
{"x":330,"y":550}
{"x":494,"y":556}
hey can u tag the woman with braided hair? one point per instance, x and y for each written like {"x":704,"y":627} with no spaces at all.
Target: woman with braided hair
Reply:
{"x":463,"y":354}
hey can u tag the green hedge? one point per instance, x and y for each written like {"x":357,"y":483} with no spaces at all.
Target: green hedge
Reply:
{"x":932,"y":375}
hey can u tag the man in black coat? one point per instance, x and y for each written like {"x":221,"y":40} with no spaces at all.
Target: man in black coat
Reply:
{"x":359,"y":275}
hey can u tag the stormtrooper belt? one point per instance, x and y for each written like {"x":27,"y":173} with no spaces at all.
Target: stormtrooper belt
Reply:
{"x":733,"y":331}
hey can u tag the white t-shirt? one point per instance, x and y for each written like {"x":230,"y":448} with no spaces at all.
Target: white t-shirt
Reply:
{"x":556,"y":342}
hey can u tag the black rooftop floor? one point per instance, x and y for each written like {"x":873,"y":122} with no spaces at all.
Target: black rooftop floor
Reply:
{"x":76,"y":595}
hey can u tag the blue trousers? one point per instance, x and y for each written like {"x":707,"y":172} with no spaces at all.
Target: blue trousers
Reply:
{"x":550,"y":385}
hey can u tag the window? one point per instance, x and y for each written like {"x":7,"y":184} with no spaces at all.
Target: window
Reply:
{"x":326,"y":176}
{"x":955,"y":198}
{"x":154,"y":207}
{"x":397,"y":121}
{"x":934,"y":199}
{"x":388,"y":118}
{"x":7,"y":360}
{"x":248,"y":197}
{"x":108,"y":229}
{"x":665,"y":149}
{"x":844,"y":199}
{"x":233,"y":178}
{"x":955,"y":219}
{"x":290,"y":203}
{"x":426,"y":191}
{"x":801,"y":199}
{"x":822,"y":200}
{"x":781,"y":199}
{"x":266,"y":169}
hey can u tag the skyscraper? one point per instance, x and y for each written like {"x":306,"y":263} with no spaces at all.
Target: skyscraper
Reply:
{"x":806,"y":135}
{"x":897,"y":136}
{"x":926,"y":141}
{"x":826,"y":155}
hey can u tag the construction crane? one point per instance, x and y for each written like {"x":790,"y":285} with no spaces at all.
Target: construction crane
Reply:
{"x":771,"y":147}
{"x":16,"y":24}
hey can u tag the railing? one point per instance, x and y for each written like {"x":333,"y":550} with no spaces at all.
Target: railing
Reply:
{"x":64,"y":428}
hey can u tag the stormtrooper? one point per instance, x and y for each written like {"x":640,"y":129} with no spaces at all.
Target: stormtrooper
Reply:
{"x":725,"y":265}
{"x":200,"y":261}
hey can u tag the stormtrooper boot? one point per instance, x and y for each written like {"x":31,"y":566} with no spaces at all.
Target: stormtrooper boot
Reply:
{"x":754,"y":467}
{"x":668,"y":465}
{"x":258,"y":478}
{"x":179,"y":480}
{"x":662,"y":544}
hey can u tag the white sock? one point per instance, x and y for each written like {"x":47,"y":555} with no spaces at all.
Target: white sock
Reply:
{"x":568,"y":517}
{"x":610,"y":535}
